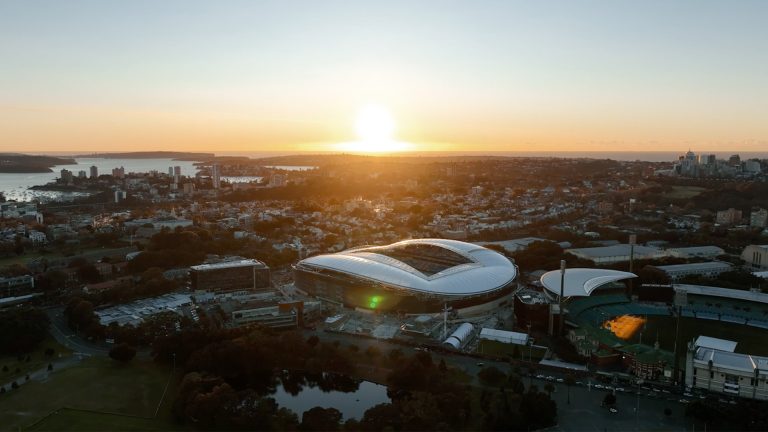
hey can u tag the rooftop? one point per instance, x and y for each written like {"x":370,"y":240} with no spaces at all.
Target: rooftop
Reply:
{"x":581,"y":281}
{"x":228,"y":264}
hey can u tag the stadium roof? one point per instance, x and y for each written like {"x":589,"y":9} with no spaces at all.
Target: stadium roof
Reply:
{"x":580,"y":282}
{"x":715,"y":343}
{"x":481,"y":270}
{"x":703,"y":290}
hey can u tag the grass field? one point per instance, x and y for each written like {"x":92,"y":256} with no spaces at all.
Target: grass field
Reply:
{"x":685,"y":192}
{"x":513,"y":351}
{"x":37,"y":360}
{"x":96,"y":384}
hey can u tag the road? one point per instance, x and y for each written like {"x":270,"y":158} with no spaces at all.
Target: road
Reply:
{"x":65,"y":336}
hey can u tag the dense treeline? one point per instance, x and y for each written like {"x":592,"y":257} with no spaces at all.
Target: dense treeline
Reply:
{"x":21,"y":329}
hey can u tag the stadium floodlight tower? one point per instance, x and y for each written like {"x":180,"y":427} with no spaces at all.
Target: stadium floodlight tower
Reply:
{"x":560,"y":299}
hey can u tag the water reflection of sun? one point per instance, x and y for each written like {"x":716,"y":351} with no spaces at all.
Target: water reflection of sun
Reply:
{"x":625,"y":326}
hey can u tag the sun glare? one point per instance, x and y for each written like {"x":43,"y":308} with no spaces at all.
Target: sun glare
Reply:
{"x":375,"y":129}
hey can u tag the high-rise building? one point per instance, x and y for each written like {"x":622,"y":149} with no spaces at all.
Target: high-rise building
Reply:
{"x":729,"y":217}
{"x":170,"y":171}
{"x":758,"y":217}
{"x":177,"y":170}
{"x":118,"y":172}
{"x":66,"y":176}
{"x":215,"y":176}
{"x":94,"y":172}
{"x":278,"y":180}
{"x":81,"y":174}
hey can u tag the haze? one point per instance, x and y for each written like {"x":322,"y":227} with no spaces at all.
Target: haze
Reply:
{"x":456,"y":75}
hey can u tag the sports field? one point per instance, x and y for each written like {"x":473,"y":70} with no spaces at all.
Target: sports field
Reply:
{"x":97,"y":384}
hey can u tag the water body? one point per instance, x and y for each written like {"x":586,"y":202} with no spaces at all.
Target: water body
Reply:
{"x":650,"y":156}
{"x":15,"y":186}
{"x":351,"y":405}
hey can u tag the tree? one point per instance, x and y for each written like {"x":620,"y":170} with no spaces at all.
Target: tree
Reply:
{"x":667,"y":412}
{"x":549,"y":388}
{"x":122,"y":352}
{"x":609,"y":399}
{"x":320,"y":419}
{"x":313,"y":341}
{"x":50,"y":366}
{"x":395,"y":355}
{"x":14,"y":385}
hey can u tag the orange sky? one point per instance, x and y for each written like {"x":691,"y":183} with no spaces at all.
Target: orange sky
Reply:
{"x":268,"y":76}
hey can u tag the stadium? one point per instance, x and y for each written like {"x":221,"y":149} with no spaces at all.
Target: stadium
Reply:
{"x":411,"y":277}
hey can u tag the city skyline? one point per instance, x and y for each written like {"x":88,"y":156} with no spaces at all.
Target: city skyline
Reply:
{"x":276,"y":76}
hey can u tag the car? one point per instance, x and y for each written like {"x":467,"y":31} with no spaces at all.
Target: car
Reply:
{"x":481,"y":364}
{"x":559,"y":380}
{"x":687,"y":394}
{"x":609,"y":388}
{"x":684,"y":401}
{"x":613,"y":410}
{"x":665,"y":391}
{"x":621,"y":389}
{"x":540,"y":376}
{"x":550,"y":378}
{"x":599,"y":386}
{"x":579,"y":383}
{"x":732,"y":402}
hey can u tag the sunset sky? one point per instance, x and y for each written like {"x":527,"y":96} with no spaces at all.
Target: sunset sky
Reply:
{"x":454,"y":75}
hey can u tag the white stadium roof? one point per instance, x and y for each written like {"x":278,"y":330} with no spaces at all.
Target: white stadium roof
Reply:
{"x":580,"y":282}
{"x":485,"y":271}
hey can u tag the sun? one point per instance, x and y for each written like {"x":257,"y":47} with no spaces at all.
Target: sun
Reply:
{"x":375,"y":127}
{"x":374,"y":123}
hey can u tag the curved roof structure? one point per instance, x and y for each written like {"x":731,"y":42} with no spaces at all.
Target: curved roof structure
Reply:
{"x":432,"y":266}
{"x":580,"y":282}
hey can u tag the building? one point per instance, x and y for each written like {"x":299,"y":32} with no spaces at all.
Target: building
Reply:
{"x":16,"y":285}
{"x":616,"y":253}
{"x":269,"y":314}
{"x":758,"y":218}
{"x":118,"y":172}
{"x":531,"y":309}
{"x":728,"y":217}
{"x":66,"y":176}
{"x":241,"y":275}
{"x":94,"y":172}
{"x":411,"y":277}
{"x":278,"y":180}
{"x":756,"y":256}
{"x":709,"y":269}
{"x":712,"y":365}
{"x":504,"y":336}
{"x":215,"y":176}
{"x":696,"y":252}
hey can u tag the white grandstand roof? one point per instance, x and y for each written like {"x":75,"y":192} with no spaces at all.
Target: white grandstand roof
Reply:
{"x":703,"y":290}
{"x":227,"y":264}
{"x":715,"y":343}
{"x":485,"y":272}
{"x":580,"y":282}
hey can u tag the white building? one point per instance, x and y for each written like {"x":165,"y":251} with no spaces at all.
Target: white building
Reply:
{"x":616,"y":253}
{"x":707,"y":269}
{"x":712,"y":365}
{"x":756,"y":256}
{"x":696,"y":252}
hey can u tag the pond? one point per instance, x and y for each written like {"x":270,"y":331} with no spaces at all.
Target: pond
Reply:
{"x":352,"y":398}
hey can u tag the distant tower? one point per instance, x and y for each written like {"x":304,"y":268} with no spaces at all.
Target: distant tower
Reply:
{"x":94,"y":172}
{"x":215,"y":176}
